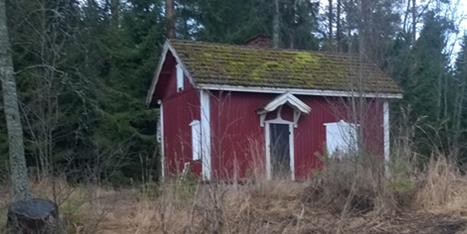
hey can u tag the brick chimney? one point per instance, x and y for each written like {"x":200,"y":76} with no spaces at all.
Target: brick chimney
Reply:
{"x":259,"y":41}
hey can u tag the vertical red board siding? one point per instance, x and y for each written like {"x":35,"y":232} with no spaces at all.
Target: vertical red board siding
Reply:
{"x":237,"y":137}
{"x":179,"y":109}
{"x":238,"y":140}
{"x":238,"y":144}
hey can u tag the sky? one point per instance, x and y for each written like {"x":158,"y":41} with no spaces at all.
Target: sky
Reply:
{"x":461,"y":7}
{"x":457,"y":9}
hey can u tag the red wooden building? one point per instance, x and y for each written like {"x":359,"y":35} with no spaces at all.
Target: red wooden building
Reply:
{"x":228,"y":111}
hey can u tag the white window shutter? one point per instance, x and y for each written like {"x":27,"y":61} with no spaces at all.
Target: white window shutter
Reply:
{"x":179,"y":78}
{"x":196,"y":139}
{"x":341,"y":137}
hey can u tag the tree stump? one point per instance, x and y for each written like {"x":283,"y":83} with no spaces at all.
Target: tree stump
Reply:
{"x":33,"y":217}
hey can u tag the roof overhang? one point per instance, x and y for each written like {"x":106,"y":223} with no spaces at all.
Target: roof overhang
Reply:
{"x":295,"y":91}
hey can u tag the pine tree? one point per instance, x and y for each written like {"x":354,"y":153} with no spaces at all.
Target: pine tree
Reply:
{"x":18,"y":169}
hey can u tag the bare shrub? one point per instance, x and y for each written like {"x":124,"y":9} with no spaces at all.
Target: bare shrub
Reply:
{"x":349,"y":185}
{"x":440,"y":183}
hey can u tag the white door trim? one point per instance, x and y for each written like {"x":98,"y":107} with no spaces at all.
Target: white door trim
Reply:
{"x":291,"y":147}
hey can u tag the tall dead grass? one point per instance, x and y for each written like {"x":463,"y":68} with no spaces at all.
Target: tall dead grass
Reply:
{"x":347,"y":196}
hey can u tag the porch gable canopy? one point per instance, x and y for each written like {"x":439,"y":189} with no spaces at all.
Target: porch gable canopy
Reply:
{"x":297,"y":105}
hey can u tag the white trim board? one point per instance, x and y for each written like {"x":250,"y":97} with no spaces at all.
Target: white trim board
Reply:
{"x":291,"y":147}
{"x":311,"y":92}
{"x":386,"y":130}
{"x":205,"y":121}
{"x":286,"y":98}
{"x":161,"y":116}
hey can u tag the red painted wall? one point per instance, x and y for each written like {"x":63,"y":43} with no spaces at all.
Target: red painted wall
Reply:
{"x":179,"y":109}
{"x":238,"y":140}
{"x":238,"y":145}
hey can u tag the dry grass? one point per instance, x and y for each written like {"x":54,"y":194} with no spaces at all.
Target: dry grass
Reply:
{"x":344,"y":198}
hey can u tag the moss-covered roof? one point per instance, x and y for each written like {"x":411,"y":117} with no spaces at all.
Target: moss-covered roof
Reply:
{"x":221,"y":64}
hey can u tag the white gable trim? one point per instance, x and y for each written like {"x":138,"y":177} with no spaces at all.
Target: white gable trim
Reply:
{"x":167,"y":47}
{"x":286,"y":98}
{"x":311,"y":92}
{"x":298,"y":106}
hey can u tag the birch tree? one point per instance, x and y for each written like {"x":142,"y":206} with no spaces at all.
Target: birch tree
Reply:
{"x":19,"y":177}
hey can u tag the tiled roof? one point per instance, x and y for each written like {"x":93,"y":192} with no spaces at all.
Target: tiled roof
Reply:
{"x":221,"y":64}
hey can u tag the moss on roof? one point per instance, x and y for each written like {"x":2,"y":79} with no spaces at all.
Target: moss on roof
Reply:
{"x":220,"y":64}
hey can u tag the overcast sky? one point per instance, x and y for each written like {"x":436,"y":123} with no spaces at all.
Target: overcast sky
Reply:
{"x":458,"y":10}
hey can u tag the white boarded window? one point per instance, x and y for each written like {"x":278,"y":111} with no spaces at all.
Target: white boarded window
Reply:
{"x":179,"y":78}
{"x":341,"y":138}
{"x":196,"y":139}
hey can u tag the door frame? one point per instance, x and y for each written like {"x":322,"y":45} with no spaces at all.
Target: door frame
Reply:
{"x":291,"y":146}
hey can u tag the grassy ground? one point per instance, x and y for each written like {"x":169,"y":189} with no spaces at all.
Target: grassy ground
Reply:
{"x":429,"y":202}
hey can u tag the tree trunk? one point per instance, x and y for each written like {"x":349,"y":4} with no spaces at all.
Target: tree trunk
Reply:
{"x":276,"y":26}
{"x":338,"y":25}
{"x":406,"y":16}
{"x":170,"y":9}
{"x":115,"y":11}
{"x":363,"y":27}
{"x":18,"y":169}
{"x":414,"y":21}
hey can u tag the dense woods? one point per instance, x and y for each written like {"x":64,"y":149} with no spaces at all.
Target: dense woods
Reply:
{"x":83,"y":69}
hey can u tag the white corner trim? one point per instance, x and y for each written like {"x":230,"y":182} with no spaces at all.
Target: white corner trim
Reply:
{"x":166,"y":48}
{"x":268,"y":151}
{"x":295,"y":91}
{"x":161,"y":116}
{"x":267,"y":136}
{"x":205,"y":112}
{"x":386,"y":126}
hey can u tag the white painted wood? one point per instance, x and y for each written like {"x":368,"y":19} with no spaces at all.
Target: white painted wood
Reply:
{"x":283,"y":99}
{"x":161,"y":116}
{"x":297,"y":105}
{"x":292,"y":151}
{"x":341,"y":137}
{"x":268,"y":148}
{"x":180,"y":75}
{"x":268,"y":151}
{"x":311,"y":92}
{"x":196,"y":139}
{"x":205,"y":134}
{"x":386,"y":126}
